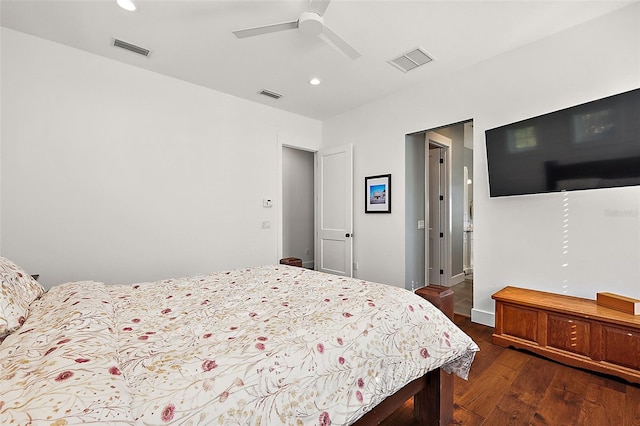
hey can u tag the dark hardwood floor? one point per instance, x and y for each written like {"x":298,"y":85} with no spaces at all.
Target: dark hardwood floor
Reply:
{"x":509,"y":387}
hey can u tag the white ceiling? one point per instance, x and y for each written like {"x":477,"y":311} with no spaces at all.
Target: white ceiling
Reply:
{"x":193,"y":41}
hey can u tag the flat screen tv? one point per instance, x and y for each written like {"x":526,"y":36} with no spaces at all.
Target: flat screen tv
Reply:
{"x":588,"y":146}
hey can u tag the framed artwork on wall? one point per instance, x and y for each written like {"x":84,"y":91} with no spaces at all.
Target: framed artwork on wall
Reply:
{"x":377,"y":190}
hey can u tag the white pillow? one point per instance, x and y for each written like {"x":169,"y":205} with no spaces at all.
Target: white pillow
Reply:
{"x":17,"y":290}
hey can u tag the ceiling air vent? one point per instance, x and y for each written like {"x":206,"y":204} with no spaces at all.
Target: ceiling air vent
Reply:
{"x":270,"y":94}
{"x":411,"y":60}
{"x":131,"y":47}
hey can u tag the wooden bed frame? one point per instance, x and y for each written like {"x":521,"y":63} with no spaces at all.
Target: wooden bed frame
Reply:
{"x":433,"y":392}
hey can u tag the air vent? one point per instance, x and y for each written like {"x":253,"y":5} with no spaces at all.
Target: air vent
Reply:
{"x":270,"y":94}
{"x":411,"y":60}
{"x":131,"y":47}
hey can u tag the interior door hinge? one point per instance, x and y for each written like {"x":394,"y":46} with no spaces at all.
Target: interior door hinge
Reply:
{"x":442,"y":198}
{"x":441,"y":271}
{"x":442,"y":235}
{"x":441,"y":160}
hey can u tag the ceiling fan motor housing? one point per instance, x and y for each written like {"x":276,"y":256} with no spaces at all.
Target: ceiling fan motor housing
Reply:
{"x":310,"y":23}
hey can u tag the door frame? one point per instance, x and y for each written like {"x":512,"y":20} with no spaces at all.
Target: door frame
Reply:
{"x":281,"y":144}
{"x":440,"y":141}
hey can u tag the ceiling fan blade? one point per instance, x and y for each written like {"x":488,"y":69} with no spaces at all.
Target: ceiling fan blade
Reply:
{"x":266,"y":29}
{"x":336,"y":41}
{"x":319,"y":6}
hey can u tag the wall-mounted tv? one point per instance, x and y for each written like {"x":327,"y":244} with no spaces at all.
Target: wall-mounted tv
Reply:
{"x":588,"y":146}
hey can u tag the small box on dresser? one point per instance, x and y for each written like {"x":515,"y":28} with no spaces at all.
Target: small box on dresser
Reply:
{"x":618,"y":302}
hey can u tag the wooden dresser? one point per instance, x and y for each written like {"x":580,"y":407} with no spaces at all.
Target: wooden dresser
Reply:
{"x":571,"y":330}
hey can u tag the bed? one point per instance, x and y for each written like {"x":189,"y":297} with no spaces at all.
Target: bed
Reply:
{"x":266,"y":345}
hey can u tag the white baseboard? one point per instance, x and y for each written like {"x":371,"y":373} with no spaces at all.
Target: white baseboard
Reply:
{"x":456,"y":279}
{"x":309,"y":264}
{"x":483,"y":317}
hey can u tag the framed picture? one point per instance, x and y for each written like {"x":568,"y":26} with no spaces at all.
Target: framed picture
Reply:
{"x":377,"y":190}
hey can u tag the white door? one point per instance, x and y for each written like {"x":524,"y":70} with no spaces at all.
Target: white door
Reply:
{"x":436,"y":233}
{"x":437,"y":198}
{"x":334,"y":210}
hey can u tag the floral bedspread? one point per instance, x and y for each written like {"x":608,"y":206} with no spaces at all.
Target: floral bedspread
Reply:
{"x":258,"y":346}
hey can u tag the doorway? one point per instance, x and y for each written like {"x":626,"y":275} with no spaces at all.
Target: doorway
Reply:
{"x":423,"y":251}
{"x":298,"y":186}
{"x":316,"y":216}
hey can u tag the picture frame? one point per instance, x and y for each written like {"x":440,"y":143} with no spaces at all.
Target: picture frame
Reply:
{"x":377,"y":194}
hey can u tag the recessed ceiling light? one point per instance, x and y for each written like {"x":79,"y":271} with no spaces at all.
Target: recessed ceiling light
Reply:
{"x":127,"y":5}
{"x":314,"y":81}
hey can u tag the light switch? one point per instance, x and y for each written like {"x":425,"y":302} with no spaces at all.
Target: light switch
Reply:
{"x":421,"y":224}
{"x":267,"y":202}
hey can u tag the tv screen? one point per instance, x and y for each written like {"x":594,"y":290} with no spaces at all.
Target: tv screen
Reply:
{"x":588,"y":146}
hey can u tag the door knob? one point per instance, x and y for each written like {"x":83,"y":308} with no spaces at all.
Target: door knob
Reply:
{"x":348,"y":235}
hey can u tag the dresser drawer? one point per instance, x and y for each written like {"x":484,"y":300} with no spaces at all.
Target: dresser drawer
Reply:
{"x":568,"y":334}
{"x":621,"y":346}
{"x":520,"y":322}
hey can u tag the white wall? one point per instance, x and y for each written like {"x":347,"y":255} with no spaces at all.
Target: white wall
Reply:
{"x":113,"y":173}
{"x":517,"y":239}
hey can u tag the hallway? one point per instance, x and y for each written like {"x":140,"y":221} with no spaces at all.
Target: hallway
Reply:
{"x":463,"y":297}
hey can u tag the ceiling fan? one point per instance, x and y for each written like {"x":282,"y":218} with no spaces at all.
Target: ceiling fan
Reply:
{"x":311,"y":23}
